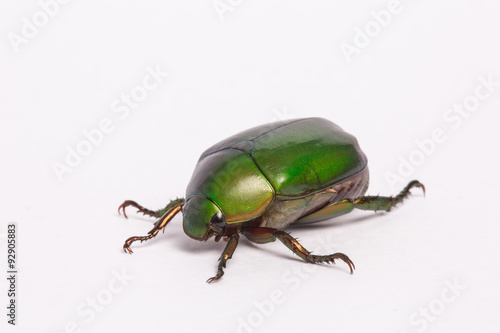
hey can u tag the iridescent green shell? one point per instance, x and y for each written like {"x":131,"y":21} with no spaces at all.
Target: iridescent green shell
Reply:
{"x":284,"y":163}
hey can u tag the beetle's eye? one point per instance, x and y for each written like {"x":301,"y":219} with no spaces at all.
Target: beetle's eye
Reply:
{"x":217,"y":222}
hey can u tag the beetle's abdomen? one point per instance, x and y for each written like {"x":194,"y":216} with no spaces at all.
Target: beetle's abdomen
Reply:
{"x":284,"y":212}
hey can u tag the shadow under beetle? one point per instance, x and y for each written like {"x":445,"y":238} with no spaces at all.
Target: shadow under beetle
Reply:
{"x":260,"y":181}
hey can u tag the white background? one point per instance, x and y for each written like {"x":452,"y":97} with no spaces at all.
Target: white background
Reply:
{"x":256,"y":63}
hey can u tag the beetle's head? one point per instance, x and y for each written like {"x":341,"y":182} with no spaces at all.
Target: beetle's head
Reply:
{"x":202,"y":218}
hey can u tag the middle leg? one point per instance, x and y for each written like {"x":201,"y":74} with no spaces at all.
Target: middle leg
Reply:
{"x":265,"y":235}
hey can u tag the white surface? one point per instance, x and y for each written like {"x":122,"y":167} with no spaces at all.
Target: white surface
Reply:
{"x":266,"y":60}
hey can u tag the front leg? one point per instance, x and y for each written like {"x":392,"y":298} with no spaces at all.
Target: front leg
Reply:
{"x":174,"y":207}
{"x":141,"y":209}
{"x":226,"y":255}
{"x":153,"y":213}
{"x":265,"y":235}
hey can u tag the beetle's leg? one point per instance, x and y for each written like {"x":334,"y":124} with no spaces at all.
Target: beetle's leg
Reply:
{"x":265,"y":235}
{"x":374,"y":203}
{"x":161,"y":223}
{"x":141,"y":209}
{"x":386,"y":203}
{"x":145,"y":211}
{"x":226,"y":255}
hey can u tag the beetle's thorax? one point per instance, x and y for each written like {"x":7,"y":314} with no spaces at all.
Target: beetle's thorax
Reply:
{"x":232,"y":181}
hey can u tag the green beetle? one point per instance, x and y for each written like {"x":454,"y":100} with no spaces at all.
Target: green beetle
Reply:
{"x":260,"y":181}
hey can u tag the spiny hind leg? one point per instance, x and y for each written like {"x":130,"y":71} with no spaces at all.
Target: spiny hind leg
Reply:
{"x":265,"y":235}
{"x":386,"y":203}
{"x":161,"y":223}
{"x":373,"y":203}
